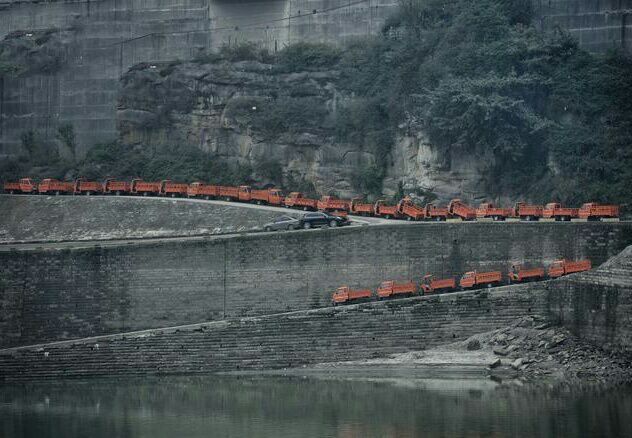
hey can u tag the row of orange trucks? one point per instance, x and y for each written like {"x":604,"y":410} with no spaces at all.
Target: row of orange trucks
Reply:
{"x":469,"y":280}
{"x":404,"y":209}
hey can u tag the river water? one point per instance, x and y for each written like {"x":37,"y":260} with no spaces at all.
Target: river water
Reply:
{"x":282,"y":407}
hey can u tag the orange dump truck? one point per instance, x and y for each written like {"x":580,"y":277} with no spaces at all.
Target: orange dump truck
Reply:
{"x":594,"y":211}
{"x":330,"y":203}
{"x":434,"y":213}
{"x":554,"y":210}
{"x":228,"y":193}
{"x":297,"y":200}
{"x":144,"y":188}
{"x":391,"y":289}
{"x":458,"y":208}
{"x":170,"y":188}
{"x":565,"y":267}
{"x":25,"y":185}
{"x":527,"y":212}
{"x":111,"y":186}
{"x":406,"y":208}
{"x":474,"y":279}
{"x":361,"y":209}
{"x":53,"y":186}
{"x":201,"y":190}
{"x":84,"y":187}
{"x":430,"y":285}
{"x":519,"y":274}
{"x":387,"y":211}
{"x":345,"y":294}
{"x":487,"y":210}
{"x":270,"y":196}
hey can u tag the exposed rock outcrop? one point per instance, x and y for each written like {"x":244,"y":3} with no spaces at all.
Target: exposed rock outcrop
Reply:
{"x":250,"y":113}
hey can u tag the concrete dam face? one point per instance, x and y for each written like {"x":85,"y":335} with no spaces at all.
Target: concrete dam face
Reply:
{"x":96,"y":41}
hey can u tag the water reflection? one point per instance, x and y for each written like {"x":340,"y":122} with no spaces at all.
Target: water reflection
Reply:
{"x":297,"y":407}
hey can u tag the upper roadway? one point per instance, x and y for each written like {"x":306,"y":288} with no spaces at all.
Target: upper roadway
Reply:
{"x":34,"y":222}
{"x":43,"y":222}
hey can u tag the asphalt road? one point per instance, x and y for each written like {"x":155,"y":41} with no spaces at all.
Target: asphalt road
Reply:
{"x":356,"y":221}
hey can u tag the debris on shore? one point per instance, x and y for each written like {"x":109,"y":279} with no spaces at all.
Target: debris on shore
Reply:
{"x":538,"y":349}
{"x":529,"y":350}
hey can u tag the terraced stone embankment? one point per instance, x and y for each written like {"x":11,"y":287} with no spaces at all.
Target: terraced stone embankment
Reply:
{"x":285,"y":340}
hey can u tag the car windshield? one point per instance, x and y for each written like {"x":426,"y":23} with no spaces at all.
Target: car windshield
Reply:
{"x":282,"y":219}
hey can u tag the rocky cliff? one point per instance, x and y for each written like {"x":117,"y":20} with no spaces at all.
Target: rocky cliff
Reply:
{"x":261,"y":115}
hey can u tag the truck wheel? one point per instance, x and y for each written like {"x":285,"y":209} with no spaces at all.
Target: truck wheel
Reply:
{"x":57,"y":193}
{"x":118,"y":193}
{"x":307,"y":225}
{"x":305,"y":208}
{"x":144,"y":193}
{"x":333,"y":224}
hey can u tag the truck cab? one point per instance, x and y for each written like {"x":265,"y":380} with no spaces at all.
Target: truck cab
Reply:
{"x":275,"y":197}
{"x":245,"y":193}
{"x":27,"y":185}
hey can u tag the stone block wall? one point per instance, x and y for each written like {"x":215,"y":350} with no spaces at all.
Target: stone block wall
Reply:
{"x":597,"y":305}
{"x":47,"y":295}
{"x":287,"y":340}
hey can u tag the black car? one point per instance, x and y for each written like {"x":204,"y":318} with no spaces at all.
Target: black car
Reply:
{"x":321,"y":219}
{"x":283,"y":223}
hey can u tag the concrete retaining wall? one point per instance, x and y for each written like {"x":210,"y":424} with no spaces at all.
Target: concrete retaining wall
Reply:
{"x":50,"y":294}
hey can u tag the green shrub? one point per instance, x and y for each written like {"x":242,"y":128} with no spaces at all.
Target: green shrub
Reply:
{"x":306,"y":56}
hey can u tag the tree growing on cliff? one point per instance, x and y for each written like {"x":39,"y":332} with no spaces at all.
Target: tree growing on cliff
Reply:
{"x":66,"y":135}
{"x":29,"y":142}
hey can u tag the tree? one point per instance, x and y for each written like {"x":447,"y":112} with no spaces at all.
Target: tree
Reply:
{"x":66,"y":134}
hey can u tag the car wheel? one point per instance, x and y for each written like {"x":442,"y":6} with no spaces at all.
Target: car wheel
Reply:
{"x":307,"y":225}
{"x":333,"y":224}
{"x":267,"y":229}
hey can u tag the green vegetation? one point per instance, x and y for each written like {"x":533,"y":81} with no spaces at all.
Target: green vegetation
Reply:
{"x":66,"y":134}
{"x":479,"y":80}
{"x":40,"y":52}
{"x":368,"y":179}
{"x":184,"y":163}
